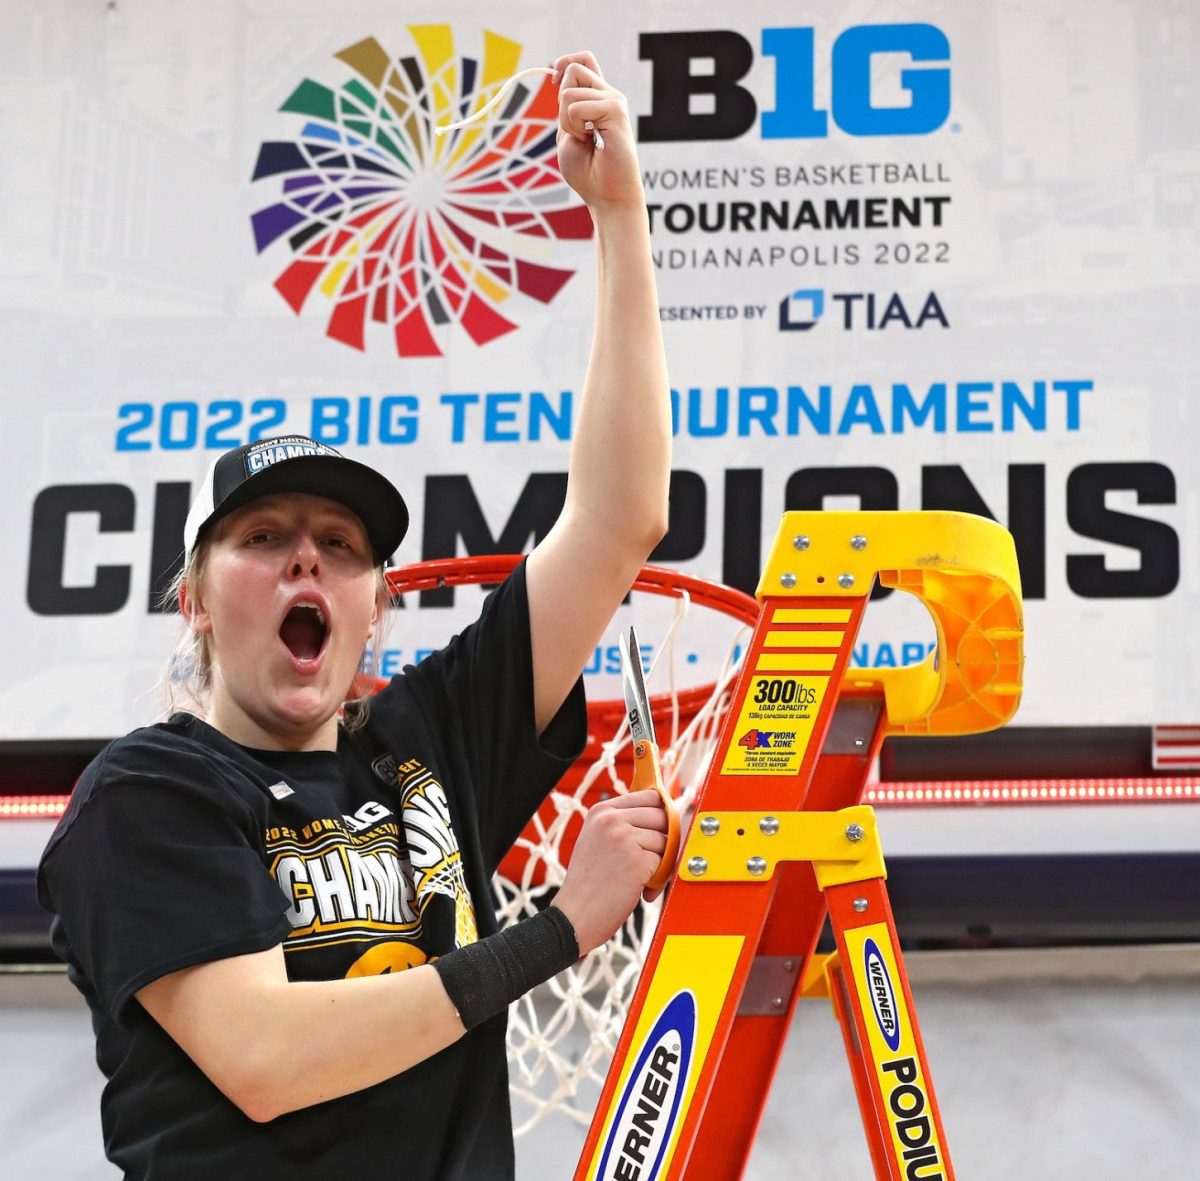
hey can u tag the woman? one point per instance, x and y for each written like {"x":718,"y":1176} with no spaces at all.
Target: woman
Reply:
{"x":237,"y":894}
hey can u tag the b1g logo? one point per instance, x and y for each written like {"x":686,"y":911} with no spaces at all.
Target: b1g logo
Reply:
{"x":401,"y":228}
{"x":696,"y":91}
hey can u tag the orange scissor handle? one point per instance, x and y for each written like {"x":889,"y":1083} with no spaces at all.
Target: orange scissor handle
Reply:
{"x":647,"y":773}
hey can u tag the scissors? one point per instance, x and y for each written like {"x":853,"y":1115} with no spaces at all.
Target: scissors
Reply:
{"x":646,"y":769}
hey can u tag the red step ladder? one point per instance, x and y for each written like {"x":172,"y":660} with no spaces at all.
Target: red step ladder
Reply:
{"x":780,"y":841}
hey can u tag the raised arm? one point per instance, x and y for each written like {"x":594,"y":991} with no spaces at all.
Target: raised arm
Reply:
{"x":616,"y":504}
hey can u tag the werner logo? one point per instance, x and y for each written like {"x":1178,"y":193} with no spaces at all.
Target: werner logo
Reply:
{"x":868,"y":310}
{"x":645,"y":1117}
{"x":883,"y":996}
{"x":884,"y":80}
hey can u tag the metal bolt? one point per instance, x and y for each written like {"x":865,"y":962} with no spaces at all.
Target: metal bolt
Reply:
{"x":854,"y":832}
{"x":858,"y":541}
{"x":768,"y":826}
{"x":789,"y":965}
{"x":845,"y":581}
{"x":801,"y":542}
{"x":787,"y":580}
{"x":860,"y":904}
{"x":697,"y":866}
{"x":710,"y":826}
{"x":757,"y":866}
{"x":777,"y":1002}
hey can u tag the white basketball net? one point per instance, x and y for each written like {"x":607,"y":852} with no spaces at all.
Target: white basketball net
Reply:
{"x":562,"y":1035}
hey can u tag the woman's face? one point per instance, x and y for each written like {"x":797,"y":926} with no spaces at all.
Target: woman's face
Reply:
{"x":287,"y":600}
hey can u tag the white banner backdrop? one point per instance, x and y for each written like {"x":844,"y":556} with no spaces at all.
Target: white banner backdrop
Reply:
{"x":909,"y":255}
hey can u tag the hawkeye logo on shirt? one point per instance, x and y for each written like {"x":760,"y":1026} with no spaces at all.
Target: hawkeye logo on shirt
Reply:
{"x":365,"y":877}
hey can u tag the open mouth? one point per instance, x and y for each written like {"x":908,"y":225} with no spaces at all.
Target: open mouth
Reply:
{"x":304,"y":630}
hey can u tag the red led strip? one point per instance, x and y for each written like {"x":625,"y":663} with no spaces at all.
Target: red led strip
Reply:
{"x":32,"y":807}
{"x":1036,"y":791}
{"x":939,"y":792}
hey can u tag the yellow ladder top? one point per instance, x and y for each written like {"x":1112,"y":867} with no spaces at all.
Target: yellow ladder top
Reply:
{"x":961,"y":566}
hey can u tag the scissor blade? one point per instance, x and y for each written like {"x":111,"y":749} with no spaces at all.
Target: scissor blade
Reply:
{"x":637,"y":703}
{"x":633,"y":704}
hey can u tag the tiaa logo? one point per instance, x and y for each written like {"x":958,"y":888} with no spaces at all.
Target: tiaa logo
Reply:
{"x":883,"y":996}
{"x":646,"y":1114}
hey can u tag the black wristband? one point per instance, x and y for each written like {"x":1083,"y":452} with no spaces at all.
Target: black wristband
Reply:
{"x":484,"y":978}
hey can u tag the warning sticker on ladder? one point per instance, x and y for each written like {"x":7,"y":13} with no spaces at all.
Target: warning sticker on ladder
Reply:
{"x":775,"y":725}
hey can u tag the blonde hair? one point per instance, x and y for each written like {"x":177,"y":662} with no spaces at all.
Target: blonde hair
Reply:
{"x":187,"y":678}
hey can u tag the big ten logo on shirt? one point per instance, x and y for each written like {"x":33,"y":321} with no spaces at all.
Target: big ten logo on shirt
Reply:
{"x":373,"y":879}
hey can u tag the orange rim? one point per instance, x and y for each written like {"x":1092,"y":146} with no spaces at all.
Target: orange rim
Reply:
{"x":437,"y":573}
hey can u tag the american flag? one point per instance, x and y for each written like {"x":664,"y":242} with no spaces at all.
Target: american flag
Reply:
{"x":1176,"y":747}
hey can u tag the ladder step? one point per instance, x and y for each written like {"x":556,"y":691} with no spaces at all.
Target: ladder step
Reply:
{"x":815,"y":985}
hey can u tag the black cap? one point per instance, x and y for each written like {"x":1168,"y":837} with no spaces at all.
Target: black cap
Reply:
{"x":295,"y":463}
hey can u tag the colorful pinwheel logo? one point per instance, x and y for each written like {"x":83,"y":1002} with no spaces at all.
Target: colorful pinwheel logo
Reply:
{"x":407,"y":229}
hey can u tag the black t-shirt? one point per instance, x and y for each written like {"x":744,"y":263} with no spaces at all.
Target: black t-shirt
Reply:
{"x":180,"y":847}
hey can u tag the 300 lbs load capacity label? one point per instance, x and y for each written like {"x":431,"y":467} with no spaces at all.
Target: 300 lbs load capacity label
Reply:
{"x":775,"y":725}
